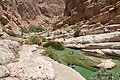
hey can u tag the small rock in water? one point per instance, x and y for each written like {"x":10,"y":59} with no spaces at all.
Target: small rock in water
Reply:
{"x":107,"y":64}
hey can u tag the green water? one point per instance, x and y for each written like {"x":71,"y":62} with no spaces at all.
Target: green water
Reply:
{"x":82,"y":62}
{"x":82,"y":66}
{"x":117,"y":68}
{"x":83,"y":71}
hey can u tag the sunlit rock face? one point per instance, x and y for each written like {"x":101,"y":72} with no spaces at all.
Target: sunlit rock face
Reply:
{"x":107,"y":43}
{"x":25,"y":12}
{"x":86,"y":9}
{"x":7,"y":54}
{"x":31,"y":67}
{"x":100,"y":16}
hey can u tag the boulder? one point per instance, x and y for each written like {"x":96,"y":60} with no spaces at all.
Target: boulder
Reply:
{"x":64,"y":72}
{"x":6,"y":55}
{"x":4,"y":35}
{"x":3,"y":72}
{"x":12,"y":29}
{"x":25,"y":51}
{"x":7,"y":48}
{"x":31,"y":67}
{"x":106,"y":64}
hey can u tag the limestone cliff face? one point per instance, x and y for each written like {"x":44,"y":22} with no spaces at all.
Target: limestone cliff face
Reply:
{"x":86,"y":9}
{"x":94,"y":16}
{"x":25,"y":11}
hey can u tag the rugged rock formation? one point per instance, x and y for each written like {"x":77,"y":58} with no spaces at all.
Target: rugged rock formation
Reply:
{"x":7,"y":51}
{"x":26,"y":12}
{"x":93,"y":16}
{"x":98,"y":24}
{"x":25,"y":62}
{"x":106,"y":64}
{"x":12,"y":29}
{"x":107,"y":43}
{"x":60,"y":68}
{"x":31,"y":67}
{"x":108,"y":37}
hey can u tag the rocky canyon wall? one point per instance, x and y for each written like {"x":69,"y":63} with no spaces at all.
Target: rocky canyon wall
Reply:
{"x":24,"y":12}
{"x":93,"y":16}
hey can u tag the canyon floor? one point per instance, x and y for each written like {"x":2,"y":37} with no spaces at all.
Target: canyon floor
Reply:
{"x":59,"y":39}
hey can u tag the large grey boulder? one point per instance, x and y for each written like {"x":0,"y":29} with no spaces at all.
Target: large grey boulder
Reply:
{"x":4,"y":35}
{"x":31,"y":67}
{"x":64,"y":72}
{"x":7,"y":53}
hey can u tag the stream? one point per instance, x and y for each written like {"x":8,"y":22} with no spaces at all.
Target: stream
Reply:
{"x":84,"y":62}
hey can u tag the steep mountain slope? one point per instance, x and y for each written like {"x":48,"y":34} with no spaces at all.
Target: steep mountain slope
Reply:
{"x":23,"y":61}
{"x":24,"y":12}
{"x":93,"y":16}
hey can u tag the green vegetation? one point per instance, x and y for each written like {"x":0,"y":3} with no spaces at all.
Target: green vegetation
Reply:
{"x":24,"y":30}
{"x":55,"y":45}
{"x":57,"y":33}
{"x":34,"y":40}
{"x":44,"y":39}
{"x":73,"y":58}
{"x":104,"y":74}
{"x":76,"y":28}
{"x":33,"y":28}
{"x":81,"y":61}
{"x":77,"y":33}
{"x":50,"y":53}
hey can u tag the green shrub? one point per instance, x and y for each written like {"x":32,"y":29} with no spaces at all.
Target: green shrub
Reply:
{"x":104,"y":74}
{"x":50,"y":52}
{"x":57,"y":33}
{"x":77,"y":33}
{"x":24,"y":30}
{"x":34,"y":40}
{"x":55,"y":45}
{"x":33,"y":28}
{"x":44,"y":39}
{"x":77,"y":30}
